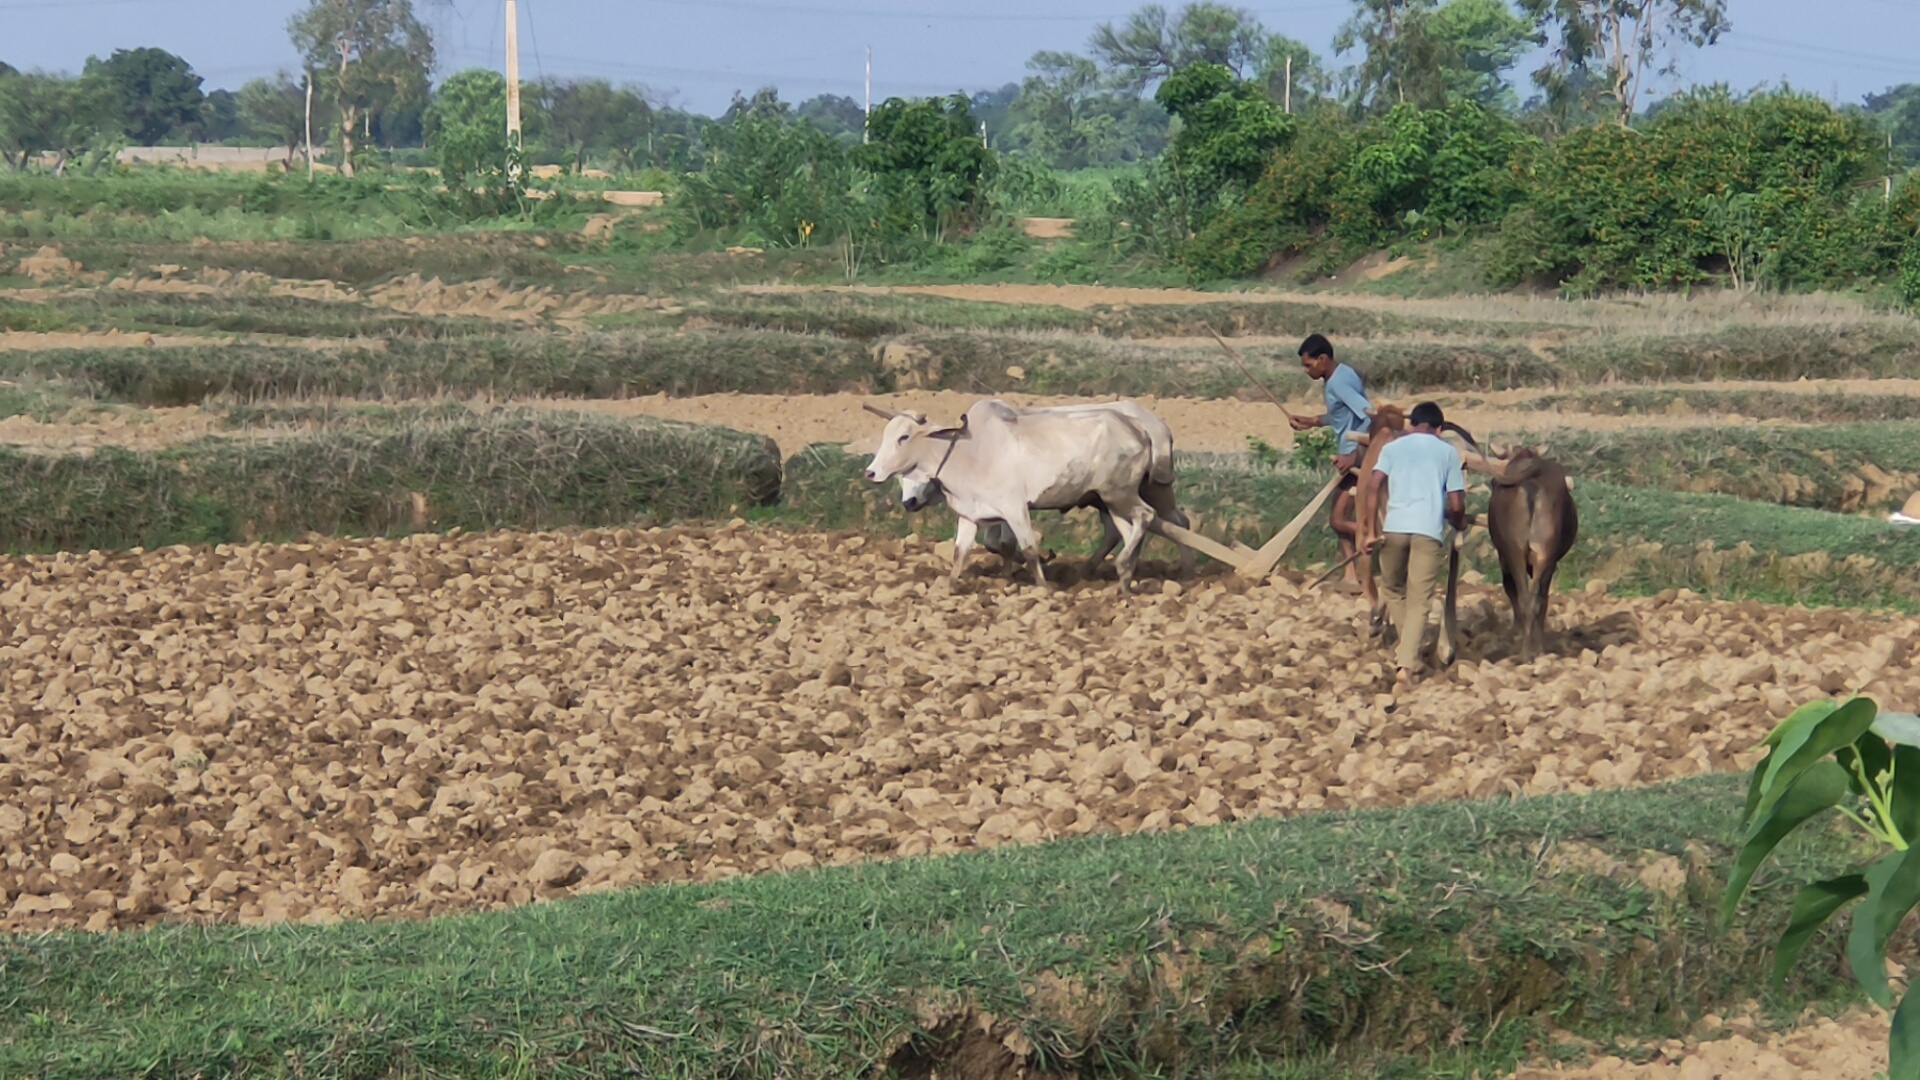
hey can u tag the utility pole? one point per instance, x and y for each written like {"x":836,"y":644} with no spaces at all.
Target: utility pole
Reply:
{"x":1289,"y":94}
{"x":513,"y":93}
{"x":309,"y":127}
{"x":867,"y":113}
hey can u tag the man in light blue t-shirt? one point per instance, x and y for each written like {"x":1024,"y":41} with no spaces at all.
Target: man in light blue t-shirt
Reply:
{"x":1424,"y":491}
{"x":1346,"y":414}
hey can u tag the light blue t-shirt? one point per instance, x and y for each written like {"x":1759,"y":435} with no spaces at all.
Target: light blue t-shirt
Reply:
{"x":1346,"y":407}
{"x":1421,"y":470}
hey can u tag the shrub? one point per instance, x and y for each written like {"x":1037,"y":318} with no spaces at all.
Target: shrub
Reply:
{"x":1408,"y":173}
{"x":1609,"y":207}
{"x":787,"y":182}
{"x":927,"y":165}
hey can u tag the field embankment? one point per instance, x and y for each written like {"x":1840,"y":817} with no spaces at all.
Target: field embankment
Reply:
{"x":1359,"y":944}
{"x":532,"y":470}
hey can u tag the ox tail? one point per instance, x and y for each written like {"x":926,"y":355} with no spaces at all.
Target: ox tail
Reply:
{"x":1160,"y":470}
{"x":1529,"y":571}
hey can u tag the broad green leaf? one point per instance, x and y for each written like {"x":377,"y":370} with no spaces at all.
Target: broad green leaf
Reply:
{"x":1814,"y":905}
{"x":1843,"y":727}
{"x":1893,"y":888}
{"x":1903,"y":1045}
{"x":1904,"y":792}
{"x":1786,"y":737}
{"x":1817,"y":789}
{"x":1901,"y":728}
{"x":1875,"y":758}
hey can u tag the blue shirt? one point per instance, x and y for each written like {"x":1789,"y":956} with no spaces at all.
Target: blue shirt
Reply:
{"x":1421,"y":470}
{"x":1346,"y":407}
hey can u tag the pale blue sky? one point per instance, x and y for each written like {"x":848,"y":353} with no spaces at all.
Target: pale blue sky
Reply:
{"x":702,"y":50}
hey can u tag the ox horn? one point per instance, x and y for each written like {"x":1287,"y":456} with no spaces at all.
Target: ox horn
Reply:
{"x":881,"y":413}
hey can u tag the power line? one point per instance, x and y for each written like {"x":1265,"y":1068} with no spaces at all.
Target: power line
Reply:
{"x":943,"y":16}
{"x":534,"y":31}
{"x":758,"y":78}
{"x":1844,"y":54}
{"x":41,"y":5}
{"x":1892,"y":69}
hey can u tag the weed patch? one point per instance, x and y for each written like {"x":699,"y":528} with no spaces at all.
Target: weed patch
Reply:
{"x":532,"y":471}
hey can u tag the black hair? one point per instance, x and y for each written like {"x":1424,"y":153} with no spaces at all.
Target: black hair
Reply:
{"x":1317,"y":345}
{"x":1427,"y":414}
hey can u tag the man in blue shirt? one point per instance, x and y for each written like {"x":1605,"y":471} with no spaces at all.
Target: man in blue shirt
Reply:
{"x":1425,"y":491}
{"x":1347,"y":415}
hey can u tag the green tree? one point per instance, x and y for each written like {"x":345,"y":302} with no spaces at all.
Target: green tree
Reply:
{"x":42,"y":113}
{"x":1896,"y":114}
{"x":1228,"y":128}
{"x":275,"y":111}
{"x":836,"y":115}
{"x":1417,"y":52}
{"x":1608,"y":207}
{"x":1402,"y":61}
{"x":369,"y":55}
{"x":765,"y":104}
{"x":1619,"y":41}
{"x":219,"y":117}
{"x":591,"y":114}
{"x":927,"y":164}
{"x":158,"y":94}
{"x":1151,"y":45}
{"x":785,"y":183}
{"x":467,"y":131}
{"x":1283,"y":58}
{"x":1482,"y":39}
{"x":1057,"y":115}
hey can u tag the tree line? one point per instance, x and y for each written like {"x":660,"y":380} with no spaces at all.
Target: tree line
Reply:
{"x":1230,"y":146}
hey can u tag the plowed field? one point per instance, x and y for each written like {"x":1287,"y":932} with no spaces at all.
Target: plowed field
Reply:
{"x":438,"y":723}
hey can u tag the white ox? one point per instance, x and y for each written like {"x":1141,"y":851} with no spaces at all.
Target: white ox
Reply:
{"x":1000,"y":464}
{"x":918,"y":491}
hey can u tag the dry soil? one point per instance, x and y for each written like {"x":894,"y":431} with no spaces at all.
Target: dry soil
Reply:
{"x":439,"y":723}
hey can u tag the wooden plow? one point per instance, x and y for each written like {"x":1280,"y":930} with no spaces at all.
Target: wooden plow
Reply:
{"x":1246,"y":561}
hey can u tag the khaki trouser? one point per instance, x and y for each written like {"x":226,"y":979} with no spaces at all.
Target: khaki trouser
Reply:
{"x":1409,"y":567}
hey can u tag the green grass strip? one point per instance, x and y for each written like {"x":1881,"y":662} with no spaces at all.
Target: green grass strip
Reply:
{"x":509,"y":470}
{"x":1638,"y":539}
{"x":1354,"y":943}
{"x":1838,"y":467}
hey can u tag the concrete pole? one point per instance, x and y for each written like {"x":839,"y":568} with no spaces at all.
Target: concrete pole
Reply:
{"x":513,"y":83}
{"x":309,"y":127}
{"x":1289,"y":94}
{"x":867,"y":113}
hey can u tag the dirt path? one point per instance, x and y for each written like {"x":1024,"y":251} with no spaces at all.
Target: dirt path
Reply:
{"x":1208,"y":426}
{"x":128,"y":428}
{"x":1667,"y":313}
{"x":1201,"y":425}
{"x":409,"y":727}
{"x":1852,"y":1047}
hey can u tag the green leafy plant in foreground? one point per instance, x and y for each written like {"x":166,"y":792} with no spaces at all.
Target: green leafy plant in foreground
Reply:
{"x":1865,"y":763}
{"x":1314,"y":448}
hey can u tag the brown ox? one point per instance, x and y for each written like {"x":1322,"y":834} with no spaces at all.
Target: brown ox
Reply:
{"x":1534,"y":524}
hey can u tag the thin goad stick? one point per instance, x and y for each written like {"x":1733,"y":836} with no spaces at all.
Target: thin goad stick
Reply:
{"x":1235,"y":357}
{"x":1454,"y":538}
